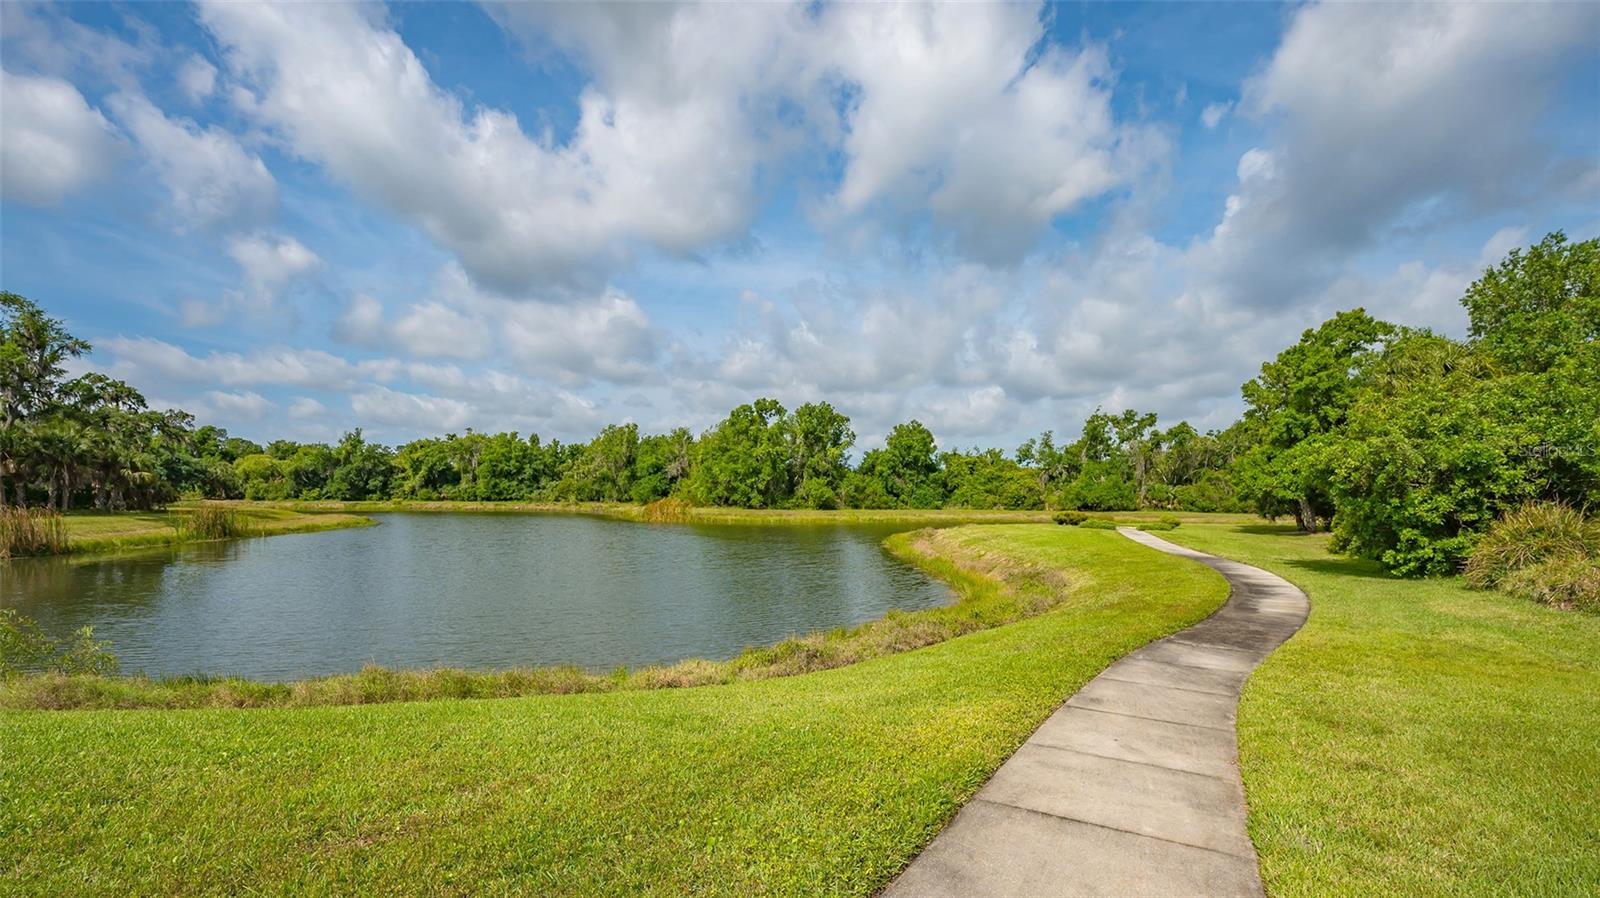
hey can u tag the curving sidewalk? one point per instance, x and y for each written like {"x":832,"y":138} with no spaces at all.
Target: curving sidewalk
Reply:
{"x":1132,"y":787}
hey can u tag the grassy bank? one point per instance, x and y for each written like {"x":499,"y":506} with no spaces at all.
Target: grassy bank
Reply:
{"x":92,"y":532}
{"x":821,"y":784}
{"x":1417,"y":737}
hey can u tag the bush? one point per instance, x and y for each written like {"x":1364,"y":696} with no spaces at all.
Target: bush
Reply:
{"x":24,"y":647}
{"x":1570,"y":582}
{"x":1162,"y":526}
{"x":1099,"y":524}
{"x":815,"y":493}
{"x":31,"y":531}
{"x":1529,"y":536}
{"x":1070,"y":518}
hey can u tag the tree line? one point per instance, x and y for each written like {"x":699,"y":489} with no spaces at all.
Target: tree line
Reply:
{"x":1405,"y":442}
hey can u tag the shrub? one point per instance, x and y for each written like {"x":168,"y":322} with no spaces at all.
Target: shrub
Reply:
{"x":815,"y":493}
{"x":1099,"y":524}
{"x":1535,"y":533}
{"x":1565,"y":581}
{"x":31,"y":531}
{"x":1070,"y":518}
{"x":669,"y":509}
{"x":1153,"y":526}
{"x":24,"y":647}
{"x":209,"y":521}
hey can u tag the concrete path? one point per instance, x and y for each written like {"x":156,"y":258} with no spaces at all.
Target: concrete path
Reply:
{"x":1132,"y":787}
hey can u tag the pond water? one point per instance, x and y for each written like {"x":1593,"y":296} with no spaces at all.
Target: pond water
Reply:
{"x":474,"y":591}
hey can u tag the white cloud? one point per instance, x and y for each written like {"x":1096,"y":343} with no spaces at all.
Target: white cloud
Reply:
{"x":269,"y":264}
{"x":197,"y":78}
{"x":954,"y":114}
{"x":428,"y":329}
{"x":51,"y":141}
{"x":304,"y":408}
{"x":687,"y":104}
{"x":411,"y":411}
{"x":213,"y":180}
{"x":672,"y":172}
{"x":1214,"y":113}
{"x":607,"y":337}
{"x":143,"y":359}
{"x":1392,"y":117}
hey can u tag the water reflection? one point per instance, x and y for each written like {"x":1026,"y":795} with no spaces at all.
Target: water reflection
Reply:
{"x":468,"y":590}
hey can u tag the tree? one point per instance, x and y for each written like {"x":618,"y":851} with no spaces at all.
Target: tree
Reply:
{"x":33,"y":347}
{"x":907,"y":467}
{"x":1445,"y":437}
{"x":819,"y":443}
{"x":1300,"y":397}
{"x":1539,"y":308}
{"x":744,"y":460}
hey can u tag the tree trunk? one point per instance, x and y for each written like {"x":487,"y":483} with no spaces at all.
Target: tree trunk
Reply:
{"x":1305,"y":517}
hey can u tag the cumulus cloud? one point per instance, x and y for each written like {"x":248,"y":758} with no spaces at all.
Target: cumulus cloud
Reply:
{"x":52,"y":142}
{"x":213,"y":180}
{"x":516,"y":208}
{"x":1391,"y":117}
{"x":687,"y":104}
{"x":269,"y":263}
{"x":1214,"y":113}
{"x":197,"y":78}
{"x":606,"y":337}
{"x":143,"y":359}
{"x":936,"y":87}
{"x":428,"y":329}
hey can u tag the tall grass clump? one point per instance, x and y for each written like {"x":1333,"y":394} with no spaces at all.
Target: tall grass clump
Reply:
{"x":668,"y":510}
{"x":31,"y":531}
{"x":209,"y":521}
{"x":1547,"y":552}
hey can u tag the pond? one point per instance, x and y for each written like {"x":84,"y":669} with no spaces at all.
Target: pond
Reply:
{"x":473,"y":591}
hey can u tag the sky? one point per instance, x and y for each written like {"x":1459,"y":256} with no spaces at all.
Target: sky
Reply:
{"x":296,"y":219}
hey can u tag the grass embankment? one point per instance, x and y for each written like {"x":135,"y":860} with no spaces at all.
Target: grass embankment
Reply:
{"x":821,"y":784}
{"x":1417,"y":737}
{"x":95,"y":532}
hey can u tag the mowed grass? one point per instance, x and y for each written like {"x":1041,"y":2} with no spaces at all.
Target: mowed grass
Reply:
{"x":1417,"y":737}
{"x":819,"y":784}
{"x":116,"y":531}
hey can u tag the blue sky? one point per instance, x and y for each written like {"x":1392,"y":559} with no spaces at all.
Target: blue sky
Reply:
{"x":296,"y":219}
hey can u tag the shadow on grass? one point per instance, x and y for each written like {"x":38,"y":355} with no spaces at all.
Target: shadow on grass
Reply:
{"x":1344,"y":567}
{"x":1271,"y":530}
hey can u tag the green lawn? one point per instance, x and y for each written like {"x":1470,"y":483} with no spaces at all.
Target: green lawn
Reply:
{"x":1417,"y":737}
{"x":825,"y":783}
{"x":116,"y":531}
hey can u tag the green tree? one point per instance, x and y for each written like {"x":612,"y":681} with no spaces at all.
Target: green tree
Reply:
{"x":820,"y":440}
{"x":1300,"y":398}
{"x":743,"y":461}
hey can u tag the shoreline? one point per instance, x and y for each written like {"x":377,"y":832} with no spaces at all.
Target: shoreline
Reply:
{"x":988,"y":593}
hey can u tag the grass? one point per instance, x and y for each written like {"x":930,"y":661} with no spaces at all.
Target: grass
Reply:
{"x":96,"y":532}
{"x":30,"y":531}
{"x":1417,"y":737}
{"x":821,"y":784}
